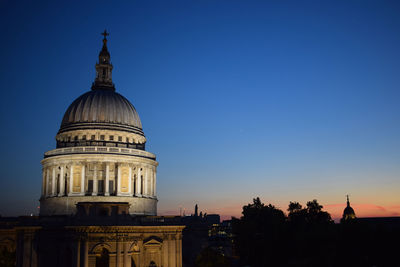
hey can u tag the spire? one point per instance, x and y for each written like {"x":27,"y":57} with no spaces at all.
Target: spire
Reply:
{"x":348,"y":202}
{"x":104,"y":68}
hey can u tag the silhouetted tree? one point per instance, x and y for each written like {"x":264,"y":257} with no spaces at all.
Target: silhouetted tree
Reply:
{"x":258,"y":234}
{"x":307,"y":237}
{"x":294,"y":207}
{"x":316,"y":215}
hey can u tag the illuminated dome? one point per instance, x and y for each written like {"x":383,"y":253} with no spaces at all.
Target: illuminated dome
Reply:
{"x":101,"y":117}
{"x":100,"y":155}
{"x":101,"y":108}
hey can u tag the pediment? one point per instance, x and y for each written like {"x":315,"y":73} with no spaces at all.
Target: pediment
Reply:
{"x":152,"y":241}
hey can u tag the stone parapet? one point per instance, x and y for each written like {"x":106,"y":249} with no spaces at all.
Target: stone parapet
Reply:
{"x":99,"y":150}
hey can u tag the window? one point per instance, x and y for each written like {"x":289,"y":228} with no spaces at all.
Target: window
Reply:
{"x":102,"y":137}
{"x":83,"y":137}
{"x":76,"y":138}
{"x":120,"y":138}
{"x":93,"y":137}
{"x":111,"y":137}
{"x":127,"y":139}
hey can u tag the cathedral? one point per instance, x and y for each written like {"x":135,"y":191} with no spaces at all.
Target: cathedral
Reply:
{"x":98,"y":204}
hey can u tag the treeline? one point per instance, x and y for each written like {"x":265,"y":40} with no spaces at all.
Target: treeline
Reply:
{"x":307,"y":236}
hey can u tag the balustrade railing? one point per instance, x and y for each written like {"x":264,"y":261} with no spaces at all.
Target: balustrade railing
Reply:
{"x":103,"y":150}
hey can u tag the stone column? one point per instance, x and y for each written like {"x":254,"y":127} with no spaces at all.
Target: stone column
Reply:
{"x":106,"y":186}
{"x":130,"y":181}
{"x":119,"y":180}
{"x":139,"y":182}
{"x":118,"y":255}
{"x":78,"y":253}
{"x":71,"y":181}
{"x":133,"y":182}
{"x":53,"y":182}
{"x":145,"y":182}
{"x":61,"y":181}
{"x":171,"y":251}
{"x":47,"y":182}
{"x":127,"y":262}
{"x":83,"y":181}
{"x":152,"y":182}
{"x":178,"y":251}
{"x":141,"y":254}
{"x":85,"y":254}
{"x":155,"y":182}
{"x":95,"y":189}
{"x":165,"y":251}
{"x":148,"y":174}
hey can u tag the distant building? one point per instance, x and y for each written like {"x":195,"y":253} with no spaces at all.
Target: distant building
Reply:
{"x":348,"y":212}
{"x":205,"y":231}
{"x":98,"y":204}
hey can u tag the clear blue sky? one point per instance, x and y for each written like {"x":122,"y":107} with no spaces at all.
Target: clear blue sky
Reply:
{"x":286,"y":100}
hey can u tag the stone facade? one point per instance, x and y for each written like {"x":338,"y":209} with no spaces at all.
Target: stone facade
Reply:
{"x":80,"y":174}
{"x":98,"y":200}
{"x":55,"y":244}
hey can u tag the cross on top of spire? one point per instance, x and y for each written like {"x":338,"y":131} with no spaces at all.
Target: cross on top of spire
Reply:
{"x":105,"y":34}
{"x":103,"y":68}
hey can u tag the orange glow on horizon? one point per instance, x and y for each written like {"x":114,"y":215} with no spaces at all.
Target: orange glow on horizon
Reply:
{"x":336,"y":211}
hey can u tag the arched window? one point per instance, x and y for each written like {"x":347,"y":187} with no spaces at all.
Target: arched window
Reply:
{"x":103,"y":260}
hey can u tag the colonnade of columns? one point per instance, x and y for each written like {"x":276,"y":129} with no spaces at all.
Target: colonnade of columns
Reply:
{"x":61,"y":180}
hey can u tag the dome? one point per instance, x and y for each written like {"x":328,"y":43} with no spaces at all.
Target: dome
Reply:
{"x":348,"y":211}
{"x":101,"y":109}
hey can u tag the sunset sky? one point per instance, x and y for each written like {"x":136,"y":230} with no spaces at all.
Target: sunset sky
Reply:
{"x":285,"y":100}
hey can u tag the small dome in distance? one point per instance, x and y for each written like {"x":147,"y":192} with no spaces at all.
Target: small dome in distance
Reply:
{"x":348,"y":212}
